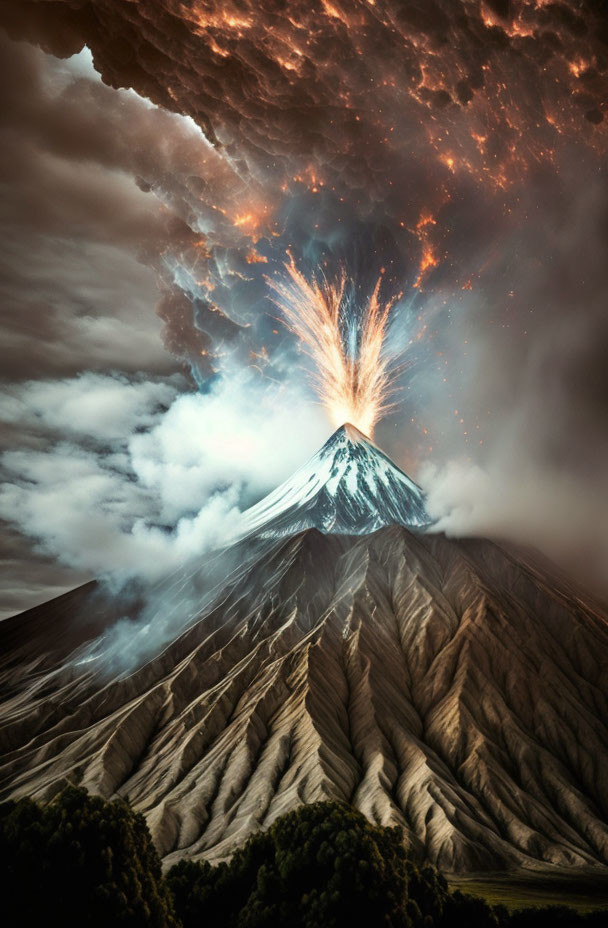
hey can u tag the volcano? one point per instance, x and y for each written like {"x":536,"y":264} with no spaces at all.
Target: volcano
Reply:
{"x":457,"y":689}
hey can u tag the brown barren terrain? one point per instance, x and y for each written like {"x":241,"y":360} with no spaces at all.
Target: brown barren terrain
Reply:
{"x":449,"y":687}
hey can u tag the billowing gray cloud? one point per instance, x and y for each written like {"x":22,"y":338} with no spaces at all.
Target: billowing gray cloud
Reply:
{"x":136,"y":476}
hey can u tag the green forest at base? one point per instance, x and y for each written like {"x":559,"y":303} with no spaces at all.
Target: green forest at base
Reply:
{"x":81,"y":860}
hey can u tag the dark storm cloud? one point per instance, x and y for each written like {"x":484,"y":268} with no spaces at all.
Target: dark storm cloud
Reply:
{"x":341,"y":126}
{"x":84,"y":244}
{"x":338,"y":127}
{"x":328,"y":80}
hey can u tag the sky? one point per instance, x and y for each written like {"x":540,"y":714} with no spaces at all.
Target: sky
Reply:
{"x":162,"y":162}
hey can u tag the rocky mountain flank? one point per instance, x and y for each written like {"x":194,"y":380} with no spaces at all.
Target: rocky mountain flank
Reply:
{"x":450,"y":687}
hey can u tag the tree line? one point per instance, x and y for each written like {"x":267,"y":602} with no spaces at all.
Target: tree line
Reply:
{"x":83,"y":861}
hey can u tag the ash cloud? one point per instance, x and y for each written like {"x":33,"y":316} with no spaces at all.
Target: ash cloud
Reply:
{"x":530,"y":386}
{"x":456,"y":148}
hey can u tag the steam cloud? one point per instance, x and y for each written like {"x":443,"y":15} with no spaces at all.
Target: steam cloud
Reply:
{"x":180,"y":468}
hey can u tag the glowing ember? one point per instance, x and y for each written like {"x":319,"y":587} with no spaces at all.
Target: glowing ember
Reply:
{"x":428,"y":261}
{"x":353,"y":374}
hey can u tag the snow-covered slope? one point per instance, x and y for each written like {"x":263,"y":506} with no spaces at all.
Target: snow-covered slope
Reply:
{"x":349,"y":487}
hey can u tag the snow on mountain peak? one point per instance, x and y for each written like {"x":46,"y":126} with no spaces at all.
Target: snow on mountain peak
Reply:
{"x":349,"y":487}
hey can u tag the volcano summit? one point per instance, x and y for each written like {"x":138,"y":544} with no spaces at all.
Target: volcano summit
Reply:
{"x":454,"y":688}
{"x":350,"y":487}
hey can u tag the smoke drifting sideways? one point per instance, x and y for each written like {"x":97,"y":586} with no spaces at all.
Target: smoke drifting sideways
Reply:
{"x":155,"y":615}
{"x":452,"y":149}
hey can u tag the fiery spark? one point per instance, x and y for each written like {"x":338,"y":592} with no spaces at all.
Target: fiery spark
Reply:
{"x":354,"y":376}
{"x":429,"y":259}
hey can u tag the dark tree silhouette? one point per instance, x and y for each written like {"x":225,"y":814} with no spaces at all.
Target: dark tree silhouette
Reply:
{"x":80,"y":861}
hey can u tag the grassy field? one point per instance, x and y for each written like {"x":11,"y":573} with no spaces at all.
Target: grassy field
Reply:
{"x":517,"y":892}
